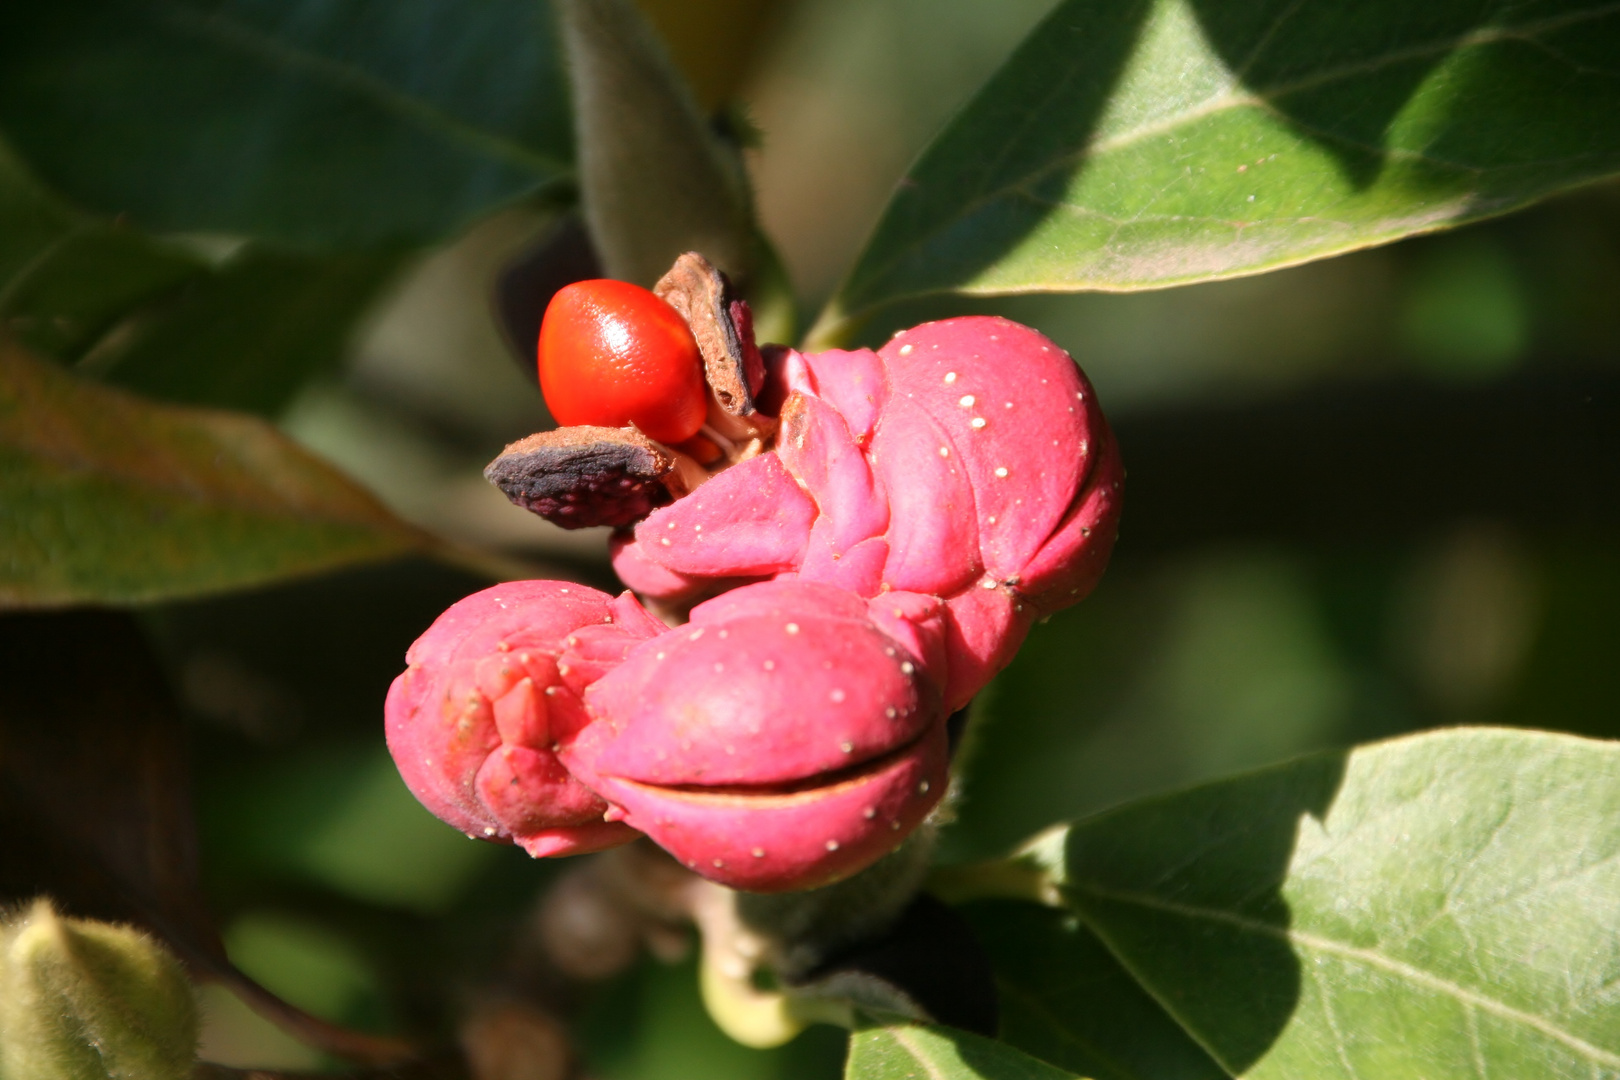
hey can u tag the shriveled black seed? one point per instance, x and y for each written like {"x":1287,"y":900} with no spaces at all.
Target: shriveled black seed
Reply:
{"x":583,"y":476}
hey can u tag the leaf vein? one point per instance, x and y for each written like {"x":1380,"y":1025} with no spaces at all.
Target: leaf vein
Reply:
{"x":1367,"y":957}
{"x":902,"y":1036}
{"x":1340,"y":1047}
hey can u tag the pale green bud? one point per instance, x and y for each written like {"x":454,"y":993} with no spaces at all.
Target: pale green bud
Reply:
{"x":84,"y":1000}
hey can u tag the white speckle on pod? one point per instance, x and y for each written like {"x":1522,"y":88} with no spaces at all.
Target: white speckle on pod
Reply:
{"x":832,"y":845}
{"x":1001,"y":471}
{"x":922,"y":787}
{"x":977,"y":422}
{"x":966,"y":401}
{"x":792,"y":628}
{"x":770,"y":665}
{"x":759,"y":853}
{"x":907,"y":667}
{"x":837,"y":697}
{"x":847,"y":747}
{"x":950,"y":376}
{"x":905,"y":350}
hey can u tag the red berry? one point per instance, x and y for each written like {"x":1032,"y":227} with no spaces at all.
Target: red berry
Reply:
{"x":613,"y":354}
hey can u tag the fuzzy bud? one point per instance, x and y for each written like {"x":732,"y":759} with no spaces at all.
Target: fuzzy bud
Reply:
{"x":84,"y":1000}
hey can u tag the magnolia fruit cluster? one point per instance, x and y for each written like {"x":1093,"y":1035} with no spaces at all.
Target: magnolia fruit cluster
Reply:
{"x":866,"y":537}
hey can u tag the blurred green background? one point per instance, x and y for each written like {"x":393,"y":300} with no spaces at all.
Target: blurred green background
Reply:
{"x":1235,"y":627}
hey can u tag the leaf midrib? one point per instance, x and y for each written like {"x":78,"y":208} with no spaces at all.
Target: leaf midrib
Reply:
{"x":1227,"y":99}
{"x":1318,"y":943}
{"x":232,"y":35}
{"x":918,"y":1054}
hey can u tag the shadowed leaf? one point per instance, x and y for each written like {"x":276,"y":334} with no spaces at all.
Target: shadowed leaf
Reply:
{"x":1066,"y":1000}
{"x":66,"y":277}
{"x":250,"y":334}
{"x":323,"y":124}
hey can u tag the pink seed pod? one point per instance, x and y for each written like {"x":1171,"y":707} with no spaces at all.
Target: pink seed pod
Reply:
{"x":490,"y":690}
{"x":781,"y":740}
{"x":966,"y":460}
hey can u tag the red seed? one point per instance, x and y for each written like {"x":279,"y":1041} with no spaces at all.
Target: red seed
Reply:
{"x":613,"y":354}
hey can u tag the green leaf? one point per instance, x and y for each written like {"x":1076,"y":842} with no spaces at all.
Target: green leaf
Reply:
{"x":159,"y":318}
{"x":107,"y":498}
{"x":65,"y":277}
{"x":1437,"y":906}
{"x":330,"y":123}
{"x":1148,"y":143}
{"x":1066,"y":1000}
{"x":250,"y":334}
{"x":903,"y":1051}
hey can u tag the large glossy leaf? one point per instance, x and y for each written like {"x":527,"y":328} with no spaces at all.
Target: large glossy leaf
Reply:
{"x":902,"y":1051}
{"x":108,"y":498}
{"x":1438,"y":906}
{"x":321,"y":122}
{"x":1154,"y":142}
